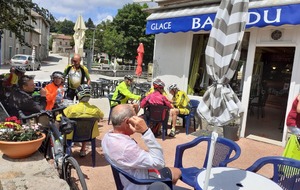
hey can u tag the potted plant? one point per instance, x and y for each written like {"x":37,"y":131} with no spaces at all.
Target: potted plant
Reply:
{"x":19,"y":141}
{"x":231,"y":130}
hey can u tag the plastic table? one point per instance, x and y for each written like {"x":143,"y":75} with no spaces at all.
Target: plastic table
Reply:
{"x":225,"y":178}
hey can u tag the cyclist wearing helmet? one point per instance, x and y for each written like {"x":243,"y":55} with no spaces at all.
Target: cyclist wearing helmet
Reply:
{"x":54,"y":90}
{"x":180,"y":103}
{"x":83,"y":110}
{"x":77,"y":74}
{"x":156,"y":98}
{"x":151,"y":90}
{"x":14,"y":75}
{"x":123,"y":93}
{"x":21,"y":98}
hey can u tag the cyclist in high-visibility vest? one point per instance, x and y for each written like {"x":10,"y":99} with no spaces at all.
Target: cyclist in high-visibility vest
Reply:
{"x":180,"y":103}
{"x":123,"y":93}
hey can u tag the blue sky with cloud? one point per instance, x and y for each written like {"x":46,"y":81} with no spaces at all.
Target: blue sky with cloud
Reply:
{"x":97,"y":10}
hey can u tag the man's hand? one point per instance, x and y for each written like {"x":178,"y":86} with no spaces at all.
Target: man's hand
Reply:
{"x":43,"y":92}
{"x":137,"y":124}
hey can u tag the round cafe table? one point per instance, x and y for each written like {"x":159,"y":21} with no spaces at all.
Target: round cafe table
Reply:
{"x":225,"y":178}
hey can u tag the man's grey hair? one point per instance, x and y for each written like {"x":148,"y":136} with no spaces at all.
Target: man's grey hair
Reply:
{"x":118,"y":115}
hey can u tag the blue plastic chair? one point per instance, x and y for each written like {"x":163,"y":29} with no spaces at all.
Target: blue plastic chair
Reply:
{"x":187,"y":118}
{"x":158,"y":114}
{"x":286,"y":171}
{"x":117,"y":172}
{"x":83,"y":133}
{"x":222,"y":156}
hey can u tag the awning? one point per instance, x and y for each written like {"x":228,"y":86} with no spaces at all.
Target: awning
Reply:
{"x":202,"y":18}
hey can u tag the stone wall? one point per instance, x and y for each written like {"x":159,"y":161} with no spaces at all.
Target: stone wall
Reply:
{"x":33,"y":173}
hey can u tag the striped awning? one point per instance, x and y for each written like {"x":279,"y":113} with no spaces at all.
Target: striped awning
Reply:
{"x":261,"y":14}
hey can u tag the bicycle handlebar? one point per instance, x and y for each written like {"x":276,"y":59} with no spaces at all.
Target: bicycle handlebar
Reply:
{"x":49,"y":113}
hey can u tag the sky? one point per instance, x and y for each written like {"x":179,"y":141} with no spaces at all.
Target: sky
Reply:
{"x":97,"y":10}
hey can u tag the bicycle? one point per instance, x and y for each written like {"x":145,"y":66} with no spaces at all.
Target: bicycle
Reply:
{"x":56,"y":146}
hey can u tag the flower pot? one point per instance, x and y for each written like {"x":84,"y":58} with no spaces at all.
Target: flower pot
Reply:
{"x":231,"y":132}
{"x":21,"y":149}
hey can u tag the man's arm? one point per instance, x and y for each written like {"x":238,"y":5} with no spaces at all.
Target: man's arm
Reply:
{"x":153,"y":158}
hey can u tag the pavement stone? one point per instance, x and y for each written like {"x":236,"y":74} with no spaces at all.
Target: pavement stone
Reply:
{"x":32,"y":173}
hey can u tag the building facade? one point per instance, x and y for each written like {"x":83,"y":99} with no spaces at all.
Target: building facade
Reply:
{"x":268,"y":67}
{"x":61,"y":43}
{"x":37,"y":39}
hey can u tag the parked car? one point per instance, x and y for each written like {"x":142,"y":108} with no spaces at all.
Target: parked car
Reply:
{"x":25,"y":61}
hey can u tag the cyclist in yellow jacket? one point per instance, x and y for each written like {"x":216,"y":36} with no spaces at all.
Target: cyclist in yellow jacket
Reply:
{"x":83,"y":110}
{"x":180,"y":103}
{"x":123,"y":93}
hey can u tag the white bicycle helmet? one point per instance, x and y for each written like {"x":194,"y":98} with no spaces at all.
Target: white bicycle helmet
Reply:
{"x":20,"y":69}
{"x":57,"y":74}
{"x":172,"y":87}
{"x":83,"y":90}
{"x":128,"y":77}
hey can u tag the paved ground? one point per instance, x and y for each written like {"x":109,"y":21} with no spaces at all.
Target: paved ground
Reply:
{"x":101,"y":176}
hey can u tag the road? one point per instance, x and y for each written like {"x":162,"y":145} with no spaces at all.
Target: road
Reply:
{"x":54,"y":62}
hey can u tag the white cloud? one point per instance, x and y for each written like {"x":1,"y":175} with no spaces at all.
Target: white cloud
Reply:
{"x":97,"y":10}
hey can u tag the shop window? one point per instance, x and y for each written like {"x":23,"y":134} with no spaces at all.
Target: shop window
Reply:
{"x":198,"y":77}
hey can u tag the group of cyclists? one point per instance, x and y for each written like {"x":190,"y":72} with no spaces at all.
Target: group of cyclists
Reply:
{"x":17,"y":90}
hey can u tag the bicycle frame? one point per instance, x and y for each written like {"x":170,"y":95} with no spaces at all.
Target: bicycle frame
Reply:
{"x":64,"y":163}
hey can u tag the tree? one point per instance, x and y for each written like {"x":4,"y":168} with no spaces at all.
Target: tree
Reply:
{"x":65,"y":27}
{"x":130,"y":22}
{"x":15,"y":16}
{"x":90,"y":23}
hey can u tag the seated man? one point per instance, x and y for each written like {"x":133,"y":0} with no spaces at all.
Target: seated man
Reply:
{"x":180,"y":103}
{"x":54,"y":90}
{"x":156,"y":98}
{"x":125,"y":153}
{"x":123,"y":93}
{"x":21,"y":98}
{"x":83,"y":110}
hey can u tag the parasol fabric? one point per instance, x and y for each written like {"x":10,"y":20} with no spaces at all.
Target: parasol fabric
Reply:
{"x":220,"y":104}
{"x":139,"y":57}
{"x":79,"y":35}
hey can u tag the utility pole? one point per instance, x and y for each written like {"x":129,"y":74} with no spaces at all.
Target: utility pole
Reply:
{"x":93,"y":45}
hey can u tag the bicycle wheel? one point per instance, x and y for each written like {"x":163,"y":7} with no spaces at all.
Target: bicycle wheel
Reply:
{"x":73,"y":174}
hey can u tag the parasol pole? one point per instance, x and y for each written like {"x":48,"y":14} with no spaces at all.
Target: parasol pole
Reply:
{"x":214,"y":136}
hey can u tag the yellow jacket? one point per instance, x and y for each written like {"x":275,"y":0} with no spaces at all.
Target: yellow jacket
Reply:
{"x":84,"y":110}
{"x":123,"y":94}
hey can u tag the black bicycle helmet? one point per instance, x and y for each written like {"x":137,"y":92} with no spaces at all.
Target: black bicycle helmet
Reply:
{"x":158,"y":83}
{"x":128,"y":77}
{"x":20,"y":69}
{"x":57,"y":74}
{"x":172,"y":87}
{"x":83,"y":90}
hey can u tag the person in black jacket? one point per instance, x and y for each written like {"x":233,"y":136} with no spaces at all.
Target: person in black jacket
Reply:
{"x":21,"y":98}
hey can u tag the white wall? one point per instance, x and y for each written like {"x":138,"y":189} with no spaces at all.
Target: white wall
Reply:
{"x":171,"y":60}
